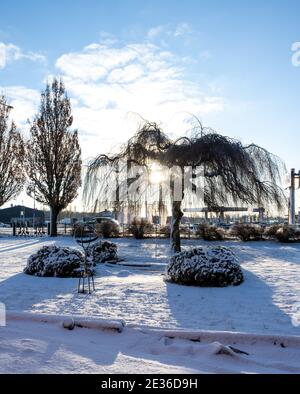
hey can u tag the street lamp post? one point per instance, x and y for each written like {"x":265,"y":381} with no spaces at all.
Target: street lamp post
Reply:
{"x":294,"y":176}
{"x":33,"y":216}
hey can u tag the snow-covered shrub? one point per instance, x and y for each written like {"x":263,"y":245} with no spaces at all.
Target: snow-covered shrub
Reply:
{"x":51,"y":260}
{"x":272,"y":230}
{"x":210,"y":233}
{"x":165,"y":231}
{"x":103,"y":251}
{"x":108,"y":229}
{"x":83,"y":232}
{"x":247,"y":232}
{"x":139,"y":228}
{"x":287,"y":233}
{"x":205,"y":266}
{"x":283,"y":233}
{"x":184,"y":231}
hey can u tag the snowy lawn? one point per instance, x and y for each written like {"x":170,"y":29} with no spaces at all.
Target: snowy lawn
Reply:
{"x":264,"y":303}
{"x":135,"y":292}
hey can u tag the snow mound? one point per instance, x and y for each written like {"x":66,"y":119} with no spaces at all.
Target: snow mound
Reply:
{"x":123,"y":274}
{"x":215,"y":266}
{"x":51,"y":260}
{"x":103,"y":251}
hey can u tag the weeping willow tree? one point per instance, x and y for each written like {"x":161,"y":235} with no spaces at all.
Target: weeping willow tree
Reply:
{"x":233,"y":173}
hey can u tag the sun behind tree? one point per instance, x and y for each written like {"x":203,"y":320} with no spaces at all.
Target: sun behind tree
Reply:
{"x":233,"y":173}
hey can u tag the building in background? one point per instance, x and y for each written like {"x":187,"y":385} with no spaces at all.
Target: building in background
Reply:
{"x":21,"y":215}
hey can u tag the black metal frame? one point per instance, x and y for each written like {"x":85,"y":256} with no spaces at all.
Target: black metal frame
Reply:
{"x":90,"y":280}
{"x":87,"y":273}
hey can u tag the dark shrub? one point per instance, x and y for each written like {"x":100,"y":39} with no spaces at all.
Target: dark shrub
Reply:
{"x":287,"y":233}
{"x":205,"y":266}
{"x":210,"y":233}
{"x":272,"y":230}
{"x":247,"y":232}
{"x":184,"y":231}
{"x":81,"y":230}
{"x":165,"y":231}
{"x":108,"y":229}
{"x":61,"y":262}
{"x":139,"y":228}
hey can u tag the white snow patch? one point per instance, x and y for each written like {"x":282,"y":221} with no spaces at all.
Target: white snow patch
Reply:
{"x":30,"y":346}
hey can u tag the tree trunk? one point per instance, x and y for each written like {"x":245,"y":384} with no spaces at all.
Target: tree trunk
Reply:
{"x":53,"y":221}
{"x":117,"y":205}
{"x":175,"y":229}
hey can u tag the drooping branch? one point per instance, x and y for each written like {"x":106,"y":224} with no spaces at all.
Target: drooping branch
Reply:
{"x":233,"y":173}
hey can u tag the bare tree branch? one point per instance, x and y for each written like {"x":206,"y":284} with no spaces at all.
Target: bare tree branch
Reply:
{"x":53,"y":154}
{"x":12,"y":176}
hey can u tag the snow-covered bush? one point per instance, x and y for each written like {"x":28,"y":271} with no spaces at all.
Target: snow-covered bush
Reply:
{"x":287,"y":234}
{"x":283,"y":233}
{"x":210,"y":233}
{"x":139,"y":228}
{"x":165,"y":231}
{"x":109,"y":229}
{"x":247,"y":232}
{"x":51,"y":260}
{"x":271,"y":231}
{"x":103,"y":251}
{"x":205,"y":266}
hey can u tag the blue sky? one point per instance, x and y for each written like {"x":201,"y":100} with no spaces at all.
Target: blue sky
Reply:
{"x":229,"y":62}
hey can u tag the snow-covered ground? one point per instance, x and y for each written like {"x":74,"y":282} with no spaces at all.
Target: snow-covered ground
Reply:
{"x":32,"y":347}
{"x":265,"y":303}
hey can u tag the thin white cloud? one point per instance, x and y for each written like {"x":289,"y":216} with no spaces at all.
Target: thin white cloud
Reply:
{"x":94,"y":62}
{"x":126,"y":74}
{"x":182,"y":29}
{"x":11,"y":52}
{"x":24,"y":102}
{"x":156,"y":31}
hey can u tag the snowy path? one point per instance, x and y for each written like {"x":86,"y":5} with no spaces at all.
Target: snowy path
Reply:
{"x":265,"y":303}
{"x":27,"y":347}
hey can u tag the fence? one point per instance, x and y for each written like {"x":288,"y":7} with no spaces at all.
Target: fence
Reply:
{"x":34,"y":231}
{"x":68,"y":230}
